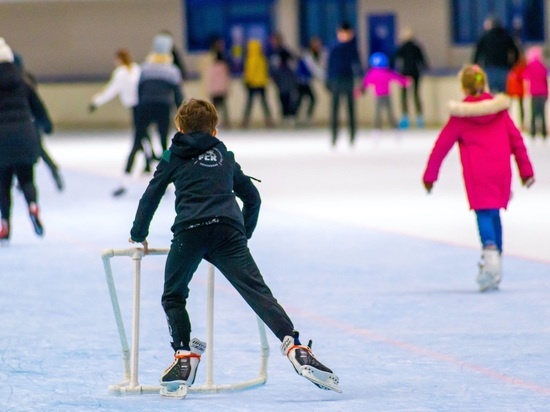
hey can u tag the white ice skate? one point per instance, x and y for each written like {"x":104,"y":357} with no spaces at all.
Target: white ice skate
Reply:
{"x":490,"y":275}
{"x":180,"y":376}
{"x":308,"y":366}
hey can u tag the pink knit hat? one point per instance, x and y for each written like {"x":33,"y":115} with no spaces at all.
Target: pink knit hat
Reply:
{"x":534,"y":54}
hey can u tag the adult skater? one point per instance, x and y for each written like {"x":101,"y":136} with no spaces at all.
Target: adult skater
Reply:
{"x":124,"y":84}
{"x":19,"y":140}
{"x":342,"y":66}
{"x":409,"y":60}
{"x":159,"y":89}
{"x":497,"y":52}
{"x":43,"y":124}
{"x":210,"y":225}
{"x":486,"y":137}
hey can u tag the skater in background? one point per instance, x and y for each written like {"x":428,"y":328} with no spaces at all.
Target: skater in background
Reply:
{"x":343,"y":66}
{"x":536,"y":74}
{"x":487,"y":138}
{"x":410,"y":60}
{"x":515,"y":87}
{"x":159,"y":90}
{"x":380,"y":77}
{"x":124,"y":84}
{"x":256,"y":78}
{"x":210,"y":225}
{"x":497,"y":52}
{"x":19,"y":140}
{"x":43,"y":126}
{"x":311,"y":65}
{"x":218,"y":78}
{"x":176,"y":55}
{"x":284,"y":77}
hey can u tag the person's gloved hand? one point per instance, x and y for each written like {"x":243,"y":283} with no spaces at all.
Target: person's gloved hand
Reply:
{"x":528,"y":181}
{"x":429,"y":186}
{"x":92,"y":107}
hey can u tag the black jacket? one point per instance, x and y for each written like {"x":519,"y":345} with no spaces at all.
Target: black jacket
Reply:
{"x":343,"y":61}
{"x":19,"y":103}
{"x":496,"y":48}
{"x":409,"y":60}
{"x":207,"y":181}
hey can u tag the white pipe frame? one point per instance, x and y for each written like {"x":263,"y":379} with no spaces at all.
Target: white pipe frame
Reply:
{"x":130,"y":384}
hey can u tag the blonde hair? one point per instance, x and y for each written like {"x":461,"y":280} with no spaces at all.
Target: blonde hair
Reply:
{"x":473,"y":79}
{"x":196,"y":116}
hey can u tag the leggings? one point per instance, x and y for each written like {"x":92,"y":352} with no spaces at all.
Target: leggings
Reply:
{"x":25,"y":177}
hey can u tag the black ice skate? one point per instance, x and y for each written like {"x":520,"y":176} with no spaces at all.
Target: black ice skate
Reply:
{"x":306,"y":365}
{"x":37,"y":224}
{"x":180,"y":376}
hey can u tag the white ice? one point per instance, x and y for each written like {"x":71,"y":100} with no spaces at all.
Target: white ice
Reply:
{"x":378,"y":273}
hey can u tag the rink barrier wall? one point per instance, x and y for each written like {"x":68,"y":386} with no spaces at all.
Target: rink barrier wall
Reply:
{"x":68,"y":104}
{"x":130,"y":354}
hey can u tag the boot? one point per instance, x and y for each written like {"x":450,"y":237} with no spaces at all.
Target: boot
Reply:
{"x":4,"y":230}
{"x":36,"y":223}
{"x":184,"y":368}
{"x":306,"y":364}
{"x":489,"y":276}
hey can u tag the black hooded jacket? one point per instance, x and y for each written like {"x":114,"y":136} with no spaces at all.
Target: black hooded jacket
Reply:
{"x":207,"y":180}
{"x":19,"y":104}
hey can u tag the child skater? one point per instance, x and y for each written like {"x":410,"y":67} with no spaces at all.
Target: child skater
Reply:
{"x":210,"y":225}
{"x":536,"y":75}
{"x":486,"y":137}
{"x":380,"y":77}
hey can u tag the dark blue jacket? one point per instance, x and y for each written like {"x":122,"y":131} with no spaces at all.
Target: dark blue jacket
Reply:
{"x":343,"y":61}
{"x":207,"y":179}
{"x":160,"y":84}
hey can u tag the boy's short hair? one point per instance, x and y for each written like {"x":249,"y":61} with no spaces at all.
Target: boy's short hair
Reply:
{"x":196,"y":116}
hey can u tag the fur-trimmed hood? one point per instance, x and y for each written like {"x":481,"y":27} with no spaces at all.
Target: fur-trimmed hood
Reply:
{"x":481,"y":108}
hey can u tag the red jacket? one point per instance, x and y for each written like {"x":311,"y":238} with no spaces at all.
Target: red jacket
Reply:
{"x":486,"y":137}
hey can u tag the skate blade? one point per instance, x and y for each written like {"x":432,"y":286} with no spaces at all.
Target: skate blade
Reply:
{"x":174,"y":389}
{"x":324,"y":380}
{"x":487,"y":285}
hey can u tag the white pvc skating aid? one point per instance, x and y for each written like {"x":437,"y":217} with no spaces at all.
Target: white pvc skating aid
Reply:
{"x":130,"y":384}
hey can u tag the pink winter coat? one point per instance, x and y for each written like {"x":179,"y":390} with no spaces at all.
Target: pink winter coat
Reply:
{"x":486,"y":137}
{"x":536,"y":74}
{"x":381,"y":78}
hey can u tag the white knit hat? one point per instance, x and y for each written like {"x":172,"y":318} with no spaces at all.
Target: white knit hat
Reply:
{"x":6,"y":55}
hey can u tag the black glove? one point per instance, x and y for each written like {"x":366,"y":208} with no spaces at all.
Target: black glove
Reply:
{"x":92,"y":108}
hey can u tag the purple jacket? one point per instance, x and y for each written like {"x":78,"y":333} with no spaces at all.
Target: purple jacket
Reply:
{"x":486,"y":137}
{"x":381,"y":79}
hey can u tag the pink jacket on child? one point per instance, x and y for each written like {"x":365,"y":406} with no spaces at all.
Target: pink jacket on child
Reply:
{"x":536,"y":74}
{"x":381,"y":78}
{"x":486,"y":137}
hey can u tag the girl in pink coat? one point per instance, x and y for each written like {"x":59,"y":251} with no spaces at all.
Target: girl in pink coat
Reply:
{"x":536,"y":75}
{"x":380,"y":76}
{"x":486,"y":137}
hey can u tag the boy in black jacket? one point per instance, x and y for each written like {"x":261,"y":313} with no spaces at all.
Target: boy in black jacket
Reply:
{"x":210,"y":225}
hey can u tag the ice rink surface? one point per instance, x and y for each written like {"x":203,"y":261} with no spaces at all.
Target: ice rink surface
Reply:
{"x":380,"y":275}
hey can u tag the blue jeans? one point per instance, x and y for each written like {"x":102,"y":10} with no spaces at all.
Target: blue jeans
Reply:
{"x":490,"y":228}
